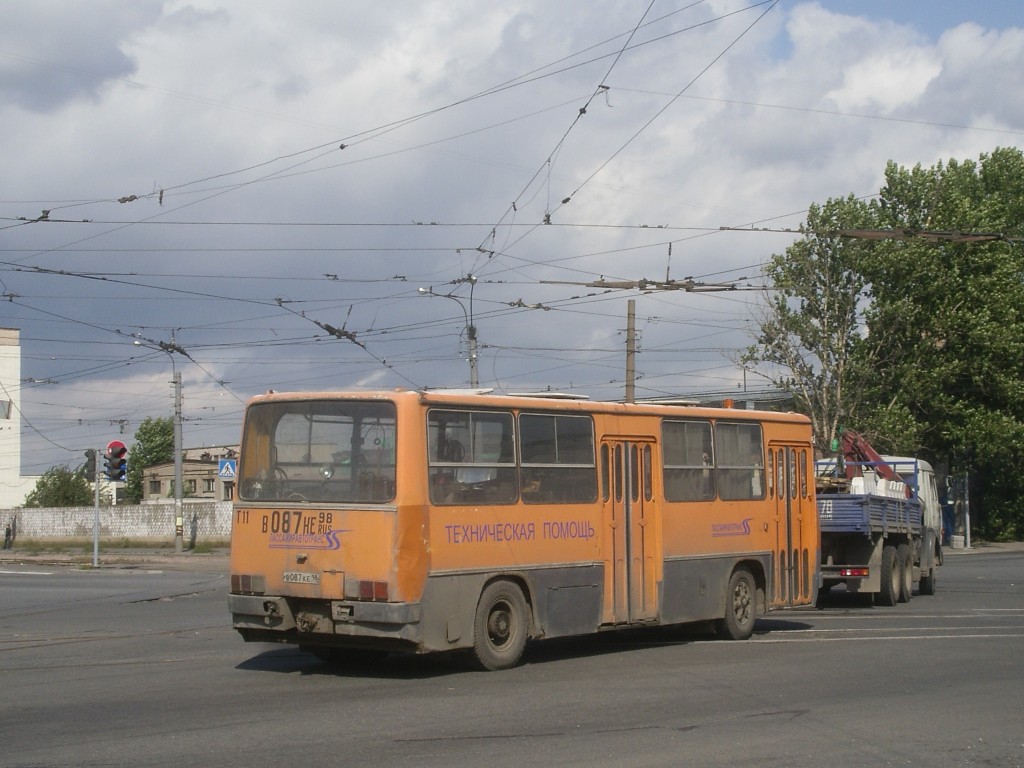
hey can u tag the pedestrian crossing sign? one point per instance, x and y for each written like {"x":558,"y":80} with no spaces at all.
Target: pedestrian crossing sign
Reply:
{"x":226,"y":469}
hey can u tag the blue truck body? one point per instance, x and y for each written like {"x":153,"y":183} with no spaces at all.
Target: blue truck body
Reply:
{"x":882,"y":542}
{"x":867,"y":514}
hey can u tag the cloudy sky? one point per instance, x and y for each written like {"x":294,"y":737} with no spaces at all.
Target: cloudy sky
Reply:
{"x":242,"y":177}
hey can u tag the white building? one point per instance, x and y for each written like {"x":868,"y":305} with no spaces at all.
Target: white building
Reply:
{"x":13,"y":487}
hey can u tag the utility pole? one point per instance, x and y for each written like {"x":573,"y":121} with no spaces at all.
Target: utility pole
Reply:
{"x":179,"y":518}
{"x":631,"y":351}
{"x":96,"y":509}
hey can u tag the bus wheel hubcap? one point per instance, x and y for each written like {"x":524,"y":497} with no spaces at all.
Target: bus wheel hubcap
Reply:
{"x":741,"y":603}
{"x":499,"y":626}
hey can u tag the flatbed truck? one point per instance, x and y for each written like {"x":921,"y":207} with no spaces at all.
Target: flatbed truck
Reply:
{"x":880,"y":525}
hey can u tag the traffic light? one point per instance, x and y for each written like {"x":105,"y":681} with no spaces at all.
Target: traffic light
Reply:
{"x":115,"y":465}
{"x":90,"y":465}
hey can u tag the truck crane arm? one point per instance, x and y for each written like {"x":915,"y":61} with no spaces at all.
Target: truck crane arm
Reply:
{"x":857,"y":452}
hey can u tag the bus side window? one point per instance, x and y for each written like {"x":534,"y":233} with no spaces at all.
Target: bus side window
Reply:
{"x":557,"y":458}
{"x":606,"y":472}
{"x":688,"y":457}
{"x":471,"y":457}
{"x":780,"y":474}
{"x":739,"y":451}
{"x":648,"y":474}
{"x":634,"y":464}
{"x":803,"y":474}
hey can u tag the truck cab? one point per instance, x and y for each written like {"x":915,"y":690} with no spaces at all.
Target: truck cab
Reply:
{"x":919,"y":475}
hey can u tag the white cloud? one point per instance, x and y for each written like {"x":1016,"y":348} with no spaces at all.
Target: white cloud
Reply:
{"x":886,"y":82}
{"x":54,"y":52}
{"x":131,"y":98}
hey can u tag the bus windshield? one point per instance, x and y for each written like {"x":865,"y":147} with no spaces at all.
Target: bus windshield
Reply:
{"x":319,"y":450}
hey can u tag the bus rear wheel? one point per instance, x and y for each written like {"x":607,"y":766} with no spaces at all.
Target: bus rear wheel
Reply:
{"x":740,"y":607}
{"x":501,"y":627}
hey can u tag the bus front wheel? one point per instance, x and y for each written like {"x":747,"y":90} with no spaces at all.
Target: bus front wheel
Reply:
{"x":740,"y":607}
{"x":501,"y":627}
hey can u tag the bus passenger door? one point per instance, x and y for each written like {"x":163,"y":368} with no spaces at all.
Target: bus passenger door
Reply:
{"x":631,"y":554}
{"x":791,"y":570}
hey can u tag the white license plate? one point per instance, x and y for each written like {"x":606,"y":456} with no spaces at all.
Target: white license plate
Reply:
{"x":297,"y":577}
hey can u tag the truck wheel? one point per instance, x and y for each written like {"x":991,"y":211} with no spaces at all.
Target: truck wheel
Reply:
{"x":822,"y":597}
{"x":906,"y":573}
{"x":889,"y":591}
{"x":501,"y":626}
{"x":927,"y":584}
{"x":740,"y":607}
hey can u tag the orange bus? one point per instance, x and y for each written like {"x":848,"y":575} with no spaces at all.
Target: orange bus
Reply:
{"x":434,"y":521}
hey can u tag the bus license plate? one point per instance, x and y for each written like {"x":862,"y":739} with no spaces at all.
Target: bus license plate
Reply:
{"x":297,"y":577}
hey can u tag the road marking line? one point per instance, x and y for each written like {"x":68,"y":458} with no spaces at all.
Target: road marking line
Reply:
{"x":883,"y":616}
{"x":1003,"y":610}
{"x":875,"y":629}
{"x":882,"y":637}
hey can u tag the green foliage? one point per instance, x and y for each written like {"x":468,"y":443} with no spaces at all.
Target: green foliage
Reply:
{"x":891,"y":428}
{"x":937,"y":368}
{"x":812,"y":326}
{"x":61,"y":486}
{"x":154,"y":444}
{"x":950,"y":317}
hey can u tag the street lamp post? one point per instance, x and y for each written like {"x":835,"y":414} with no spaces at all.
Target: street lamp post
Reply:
{"x":474,"y":379}
{"x":179,"y":517}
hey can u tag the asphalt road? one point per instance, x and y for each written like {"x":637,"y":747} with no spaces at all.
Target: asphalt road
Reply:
{"x":138,"y":666}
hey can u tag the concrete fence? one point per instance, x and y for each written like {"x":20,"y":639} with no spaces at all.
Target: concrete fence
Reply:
{"x":203,"y":520}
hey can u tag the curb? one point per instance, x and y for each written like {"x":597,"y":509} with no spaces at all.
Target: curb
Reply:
{"x":984,"y":548}
{"x":186,"y":561}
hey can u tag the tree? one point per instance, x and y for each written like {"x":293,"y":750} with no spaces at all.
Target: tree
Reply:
{"x":937,"y":367}
{"x":811,"y":326}
{"x":948,"y":312}
{"x":154,"y":444}
{"x":61,"y":486}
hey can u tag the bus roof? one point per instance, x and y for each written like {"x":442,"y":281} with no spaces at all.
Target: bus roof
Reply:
{"x":528,"y":401}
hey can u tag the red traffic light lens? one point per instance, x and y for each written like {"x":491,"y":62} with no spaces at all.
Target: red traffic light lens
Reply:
{"x":116,"y":449}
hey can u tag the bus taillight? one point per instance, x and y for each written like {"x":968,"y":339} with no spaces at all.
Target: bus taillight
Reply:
{"x":373,"y":590}
{"x":248,"y":584}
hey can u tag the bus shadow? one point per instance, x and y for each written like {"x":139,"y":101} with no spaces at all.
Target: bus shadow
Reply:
{"x":411,"y":666}
{"x":397,"y":666}
{"x":613,"y":643}
{"x":640,"y":638}
{"x":768,"y":626}
{"x":841,"y":599}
